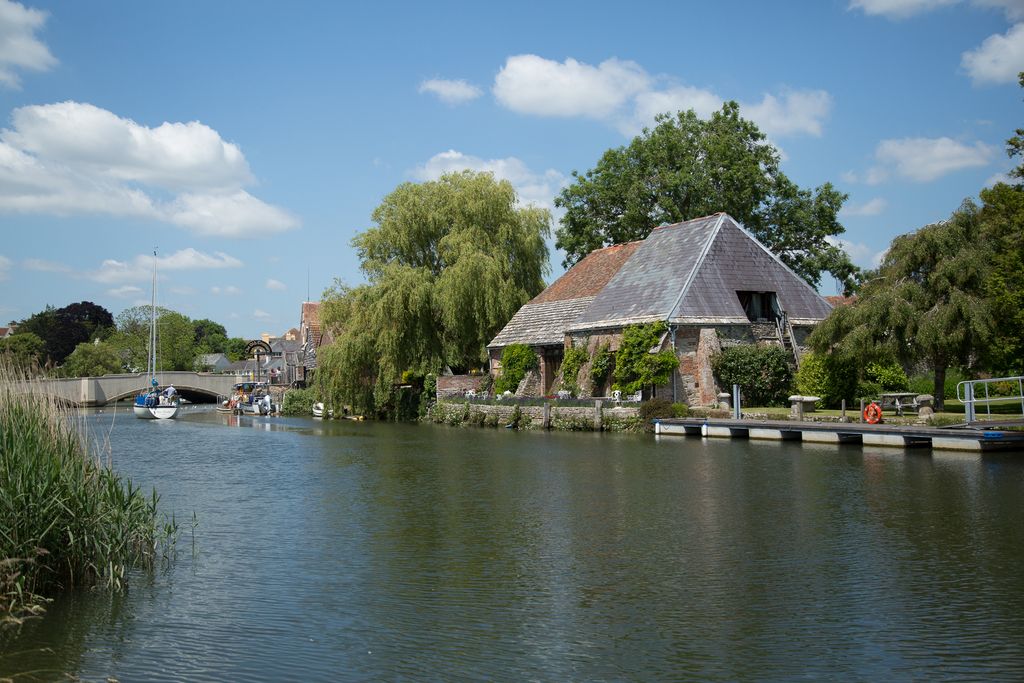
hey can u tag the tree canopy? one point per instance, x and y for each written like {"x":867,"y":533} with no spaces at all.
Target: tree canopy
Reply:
{"x":26,"y":352}
{"x":176,"y":349}
{"x":447,"y":265}
{"x":62,"y":329}
{"x":93,"y":359}
{"x":687,"y":167}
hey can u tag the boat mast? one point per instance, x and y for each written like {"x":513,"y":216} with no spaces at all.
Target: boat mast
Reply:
{"x":152,"y":324}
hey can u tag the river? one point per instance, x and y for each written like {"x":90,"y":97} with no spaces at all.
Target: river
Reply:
{"x":365,"y":551}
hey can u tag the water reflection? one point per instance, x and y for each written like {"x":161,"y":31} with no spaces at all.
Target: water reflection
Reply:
{"x":341,"y":550}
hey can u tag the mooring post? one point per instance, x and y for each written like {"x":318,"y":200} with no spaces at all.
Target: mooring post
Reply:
{"x":844,"y":410}
{"x":860,"y":418}
{"x":597,"y":415}
{"x":737,"y":410}
{"x":547,"y":415}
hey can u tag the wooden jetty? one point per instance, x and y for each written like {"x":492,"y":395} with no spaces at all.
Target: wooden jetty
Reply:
{"x":897,"y":436}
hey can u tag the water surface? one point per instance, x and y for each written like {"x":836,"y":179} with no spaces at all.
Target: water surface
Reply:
{"x":364,"y":551}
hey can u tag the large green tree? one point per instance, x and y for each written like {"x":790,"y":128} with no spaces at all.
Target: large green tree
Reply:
{"x":62,"y":329}
{"x":1002,"y":220}
{"x":925,"y":304}
{"x":447,"y":265}
{"x":687,"y":167}
{"x":176,"y":348}
{"x":210,"y":336}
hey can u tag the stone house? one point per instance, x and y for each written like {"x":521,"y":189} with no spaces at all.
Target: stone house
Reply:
{"x":543,"y":321}
{"x":708,"y":279}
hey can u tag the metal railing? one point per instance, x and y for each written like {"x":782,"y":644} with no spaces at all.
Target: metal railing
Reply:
{"x":968,"y":393}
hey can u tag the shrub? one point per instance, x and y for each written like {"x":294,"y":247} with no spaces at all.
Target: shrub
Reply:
{"x":574,"y":359}
{"x":832,"y":378}
{"x":763,"y":372}
{"x":298,"y":402}
{"x":656,"y":408}
{"x":869,"y":390}
{"x":516,"y":361}
{"x":635,"y":366}
{"x":889,"y":375}
{"x":925,"y":384}
{"x":680,"y":410}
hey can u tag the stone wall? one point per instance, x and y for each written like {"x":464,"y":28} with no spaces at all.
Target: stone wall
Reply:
{"x":590,"y":418}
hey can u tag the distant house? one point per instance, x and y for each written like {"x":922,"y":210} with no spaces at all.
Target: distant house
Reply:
{"x":8,"y":331}
{"x":213,"y":362}
{"x":708,"y":279}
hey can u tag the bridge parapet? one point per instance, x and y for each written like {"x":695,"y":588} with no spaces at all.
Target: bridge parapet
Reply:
{"x":98,"y":391}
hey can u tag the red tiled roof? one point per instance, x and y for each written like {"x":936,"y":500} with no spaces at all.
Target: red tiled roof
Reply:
{"x":589,"y":276}
{"x":840,"y":300}
{"x":311,"y":319}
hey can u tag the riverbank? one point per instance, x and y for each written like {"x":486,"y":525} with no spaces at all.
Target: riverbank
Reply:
{"x":67,"y":520}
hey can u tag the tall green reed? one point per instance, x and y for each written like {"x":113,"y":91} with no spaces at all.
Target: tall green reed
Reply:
{"x":66,"y":519}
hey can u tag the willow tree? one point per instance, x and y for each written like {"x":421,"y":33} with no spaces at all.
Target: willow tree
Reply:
{"x":447,"y":264}
{"x":925,"y":304}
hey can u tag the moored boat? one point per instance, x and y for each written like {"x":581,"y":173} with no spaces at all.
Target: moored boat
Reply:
{"x":154,"y":403}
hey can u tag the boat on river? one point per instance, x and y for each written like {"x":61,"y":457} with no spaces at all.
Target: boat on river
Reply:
{"x":153,"y":402}
{"x":249,"y":398}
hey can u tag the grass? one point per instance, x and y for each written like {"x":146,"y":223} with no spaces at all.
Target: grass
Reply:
{"x":66,"y":520}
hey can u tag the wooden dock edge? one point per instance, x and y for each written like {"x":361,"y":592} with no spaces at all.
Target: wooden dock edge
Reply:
{"x":962,"y":440}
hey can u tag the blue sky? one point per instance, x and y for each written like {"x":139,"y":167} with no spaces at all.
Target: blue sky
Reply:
{"x":249,"y":141}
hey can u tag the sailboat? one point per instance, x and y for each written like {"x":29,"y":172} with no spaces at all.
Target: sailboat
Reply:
{"x":154,"y":403}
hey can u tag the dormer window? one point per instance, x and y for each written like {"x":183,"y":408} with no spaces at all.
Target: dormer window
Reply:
{"x":760,"y":306}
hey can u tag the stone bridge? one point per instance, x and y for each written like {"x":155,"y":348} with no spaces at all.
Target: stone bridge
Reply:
{"x":198,"y":387}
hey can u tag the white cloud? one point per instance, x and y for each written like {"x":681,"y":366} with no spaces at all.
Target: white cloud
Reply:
{"x":19,"y":47}
{"x":125,"y":292}
{"x":44,"y":266}
{"x":998,"y":59}
{"x":229,"y":290}
{"x":260,"y":314}
{"x":902,"y":9}
{"x":997,"y":178}
{"x":533,"y":188}
{"x":860,"y":253}
{"x":796,"y":112}
{"x":898,"y":9}
{"x":533,"y":85}
{"x":925,"y":159}
{"x":276,"y":284}
{"x":872,"y":207}
{"x":624,"y":94}
{"x":238,"y":214}
{"x":71,"y":158}
{"x":451,"y":92}
{"x":141,"y":267}
{"x":5,"y":267}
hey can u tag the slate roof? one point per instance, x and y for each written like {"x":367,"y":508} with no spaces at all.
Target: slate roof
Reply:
{"x":691,"y":272}
{"x":544,"y":319}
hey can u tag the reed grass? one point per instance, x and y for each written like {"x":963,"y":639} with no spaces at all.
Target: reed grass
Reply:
{"x":66,"y":519}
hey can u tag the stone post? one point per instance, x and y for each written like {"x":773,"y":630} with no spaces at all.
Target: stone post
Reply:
{"x":547,"y":415}
{"x":597,"y":415}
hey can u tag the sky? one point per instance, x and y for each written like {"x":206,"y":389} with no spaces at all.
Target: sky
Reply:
{"x":247,"y":142}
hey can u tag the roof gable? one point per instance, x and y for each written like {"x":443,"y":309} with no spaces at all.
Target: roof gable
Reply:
{"x":735,"y":261}
{"x":649,"y":284}
{"x":590,"y":275}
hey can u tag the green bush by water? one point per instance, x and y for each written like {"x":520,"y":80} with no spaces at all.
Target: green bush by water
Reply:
{"x":66,"y":520}
{"x":298,"y":402}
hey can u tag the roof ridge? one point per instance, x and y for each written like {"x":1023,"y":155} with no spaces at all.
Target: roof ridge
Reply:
{"x":712,"y":234}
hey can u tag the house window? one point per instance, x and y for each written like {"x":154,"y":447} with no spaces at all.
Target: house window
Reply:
{"x":760,"y":306}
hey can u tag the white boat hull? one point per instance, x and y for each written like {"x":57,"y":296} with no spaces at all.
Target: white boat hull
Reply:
{"x":156,"y":412}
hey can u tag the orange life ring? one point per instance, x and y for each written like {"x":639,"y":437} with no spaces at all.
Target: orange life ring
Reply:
{"x":873,"y":413}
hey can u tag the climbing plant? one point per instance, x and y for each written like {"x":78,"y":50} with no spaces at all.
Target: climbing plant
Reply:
{"x":573,"y":361}
{"x":601,"y":365}
{"x":635,"y":365}
{"x":516,"y":361}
